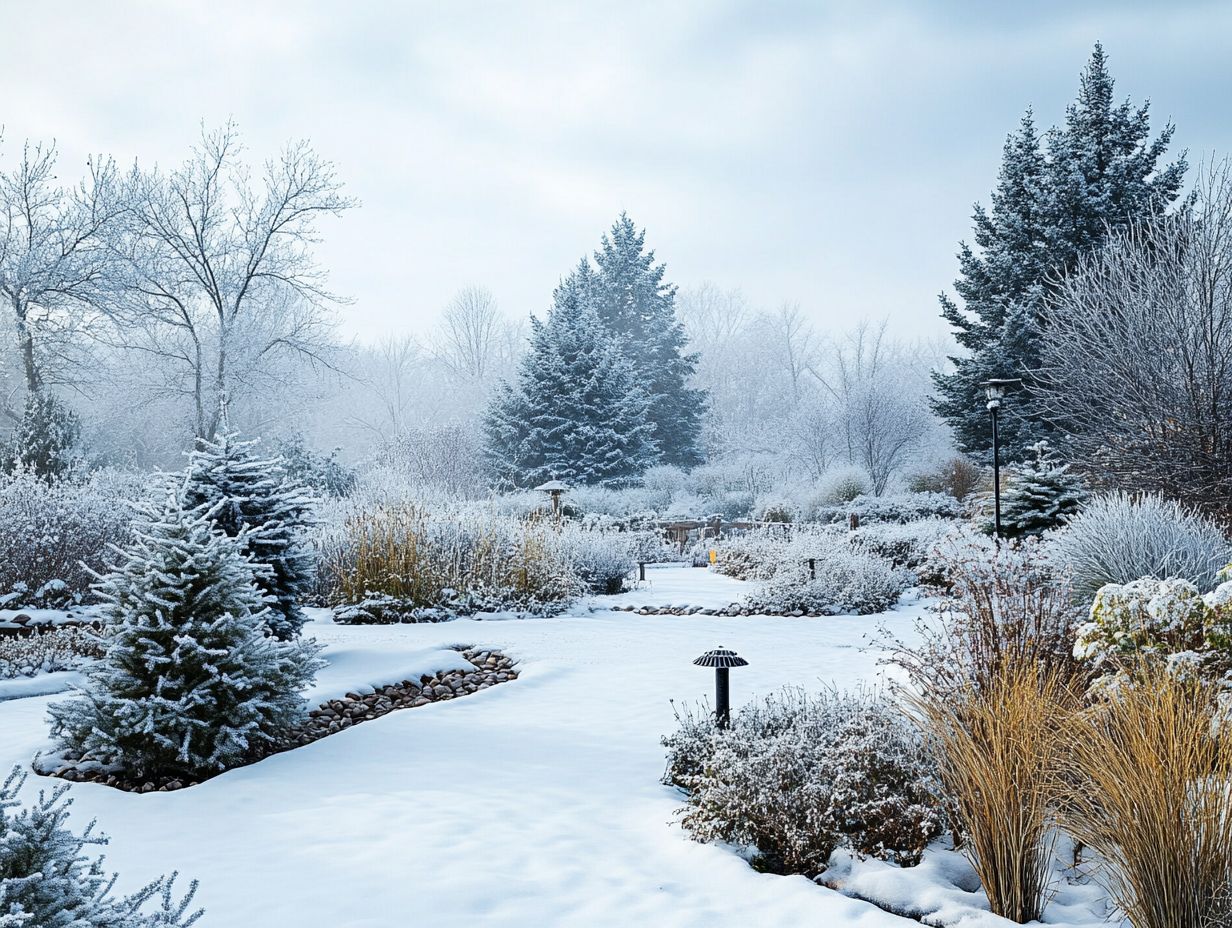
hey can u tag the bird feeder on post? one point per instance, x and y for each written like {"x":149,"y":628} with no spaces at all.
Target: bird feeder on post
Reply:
{"x":721,"y":660}
{"x":555,"y":489}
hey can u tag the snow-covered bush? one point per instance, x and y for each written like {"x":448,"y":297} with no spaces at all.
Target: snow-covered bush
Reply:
{"x":905,"y":544}
{"x":842,"y":580}
{"x":751,"y":555}
{"x":53,"y":535}
{"x":650,"y":547}
{"x":842,"y":485}
{"x":798,"y":776}
{"x":191,"y":683}
{"x":957,"y":476}
{"x":1119,"y":538}
{"x":1003,"y":604}
{"x":255,"y":499}
{"x":1165,"y":622}
{"x":59,"y":648}
{"x":601,"y":560}
{"x":458,"y":557}
{"x":47,"y":881}
{"x":899,"y":507}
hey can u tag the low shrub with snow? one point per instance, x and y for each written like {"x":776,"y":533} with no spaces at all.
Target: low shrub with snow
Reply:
{"x":910,"y":545}
{"x":1163,"y":622}
{"x":48,"y":881}
{"x":1119,"y":538}
{"x":842,"y":580}
{"x":63,"y":648}
{"x":751,"y":555}
{"x":53,"y":535}
{"x":799,"y":776}
{"x":601,"y":560}
{"x":898,"y":507}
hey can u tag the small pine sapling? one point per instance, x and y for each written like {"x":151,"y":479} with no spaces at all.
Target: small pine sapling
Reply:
{"x":191,"y":683}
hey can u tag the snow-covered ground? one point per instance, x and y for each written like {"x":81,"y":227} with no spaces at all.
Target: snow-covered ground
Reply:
{"x":535,"y":803}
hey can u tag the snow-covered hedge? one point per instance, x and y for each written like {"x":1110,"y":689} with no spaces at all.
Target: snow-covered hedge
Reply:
{"x":845,"y":577}
{"x":62,"y":648}
{"x":53,"y":535}
{"x":799,"y":776}
{"x":1120,"y":538}
{"x":899,"y":507}
{"x":911,"y":545}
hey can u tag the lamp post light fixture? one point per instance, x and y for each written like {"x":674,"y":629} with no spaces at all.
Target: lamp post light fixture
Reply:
{"x":555,"y":489}
{"x":994,"y":393}
{"x":721,"y":660}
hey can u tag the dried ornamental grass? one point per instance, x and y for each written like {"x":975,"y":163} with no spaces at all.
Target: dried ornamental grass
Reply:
{"x":998,"y":745}
{"x":1148,"y":785}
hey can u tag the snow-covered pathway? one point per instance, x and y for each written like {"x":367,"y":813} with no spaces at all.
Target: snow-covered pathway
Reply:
{"x":535,"y":803}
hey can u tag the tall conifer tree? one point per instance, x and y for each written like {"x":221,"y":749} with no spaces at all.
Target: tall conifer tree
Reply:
{"x":577,"y":411}
{"x":637,"y":306}
{"x":1056,"y":198}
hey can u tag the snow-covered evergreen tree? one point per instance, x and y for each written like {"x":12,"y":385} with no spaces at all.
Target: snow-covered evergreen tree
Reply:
{"x":577,"y":411}
{"x":46,"y":437}
{"x":254,"y":495}
{"x":192,"y":683}
{"x":1056,"y":198}
{"x":46,"y":881}
{"x":635,"y":304}
{"x":1042,"y":494}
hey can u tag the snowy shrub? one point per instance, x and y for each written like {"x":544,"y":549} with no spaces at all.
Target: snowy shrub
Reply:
{"x":899,"y":507}
{"x":45,"y":440}
{"x":650,"y":547}
{"x":798,"y":776}
{"x":601,"y":560}
{"x":254,"y":499}
{"x":751,"y":555}
{"x":191,"y":683}
{"x":1166,"y":622}
{"x":47,"y":881}
{"x":457,"y":557}
{"x":843,"y":485}
{"x":1119,"y":538}
{"x":958,"y":477}
{"x":842,"y":580}
{"x":911,"y":545}
{"x":1004,"y":605}
{"x":59,"y":648}
{"x":53,"y":535}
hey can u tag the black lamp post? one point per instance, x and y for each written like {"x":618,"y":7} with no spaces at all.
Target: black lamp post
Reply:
{"x":994,"y":393}
{"x":721,"y":660}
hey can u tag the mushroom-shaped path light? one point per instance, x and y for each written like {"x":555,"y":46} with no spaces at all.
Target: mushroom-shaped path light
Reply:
{"x":721,"y":660}
{"x":554,"y":489}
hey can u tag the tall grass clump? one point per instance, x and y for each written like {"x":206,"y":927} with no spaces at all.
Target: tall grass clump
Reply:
{"x":1148,"y":785}
{"x":459,"y":559}
{"x":998,"y":745}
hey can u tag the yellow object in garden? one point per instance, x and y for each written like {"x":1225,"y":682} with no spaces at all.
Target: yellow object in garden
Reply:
{"x":714,"y":555}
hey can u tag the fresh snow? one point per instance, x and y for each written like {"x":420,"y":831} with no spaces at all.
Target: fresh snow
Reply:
{"x":43,"y":684}
{"x":533,"y":803}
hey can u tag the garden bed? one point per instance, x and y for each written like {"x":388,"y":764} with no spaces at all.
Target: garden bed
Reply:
{"x":490,"y":668}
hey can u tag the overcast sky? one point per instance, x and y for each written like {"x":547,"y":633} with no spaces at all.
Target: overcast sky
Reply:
{"x":821,"y":153}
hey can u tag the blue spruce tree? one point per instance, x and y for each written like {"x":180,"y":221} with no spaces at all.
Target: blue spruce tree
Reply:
{"x":577,"y":411}
{"x":635,"y":304}
{"x":1056,"y":198}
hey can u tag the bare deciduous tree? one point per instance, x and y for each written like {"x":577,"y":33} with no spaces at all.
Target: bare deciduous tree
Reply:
{"x":54,"y":258}
{"x":1137,"y":368}
{"x":218,"y":274}
{"x":469,"y":340}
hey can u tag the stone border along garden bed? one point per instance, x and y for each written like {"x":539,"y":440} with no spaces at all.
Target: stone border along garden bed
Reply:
{"x":492,"y":669}
{"x":733,"y":609}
